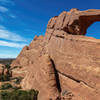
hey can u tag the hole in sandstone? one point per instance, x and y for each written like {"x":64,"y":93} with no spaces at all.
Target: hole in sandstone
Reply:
{"x":94,"y":30}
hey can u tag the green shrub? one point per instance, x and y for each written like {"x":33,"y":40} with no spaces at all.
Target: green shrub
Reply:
{"x":6,"y":86}
{"x":19,"y":95}
{"x":4,"y":78}
{"x":18,"y":80}
{"x":7,"y":66}
{"x":16,"y":87}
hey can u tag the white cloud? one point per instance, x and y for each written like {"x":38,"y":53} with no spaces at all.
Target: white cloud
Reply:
{"x":3,"y":9}
{"x":7,"y":2}
{"x":8,"y":35}
{"x":12,"y":44}
{"x":12,"y":16}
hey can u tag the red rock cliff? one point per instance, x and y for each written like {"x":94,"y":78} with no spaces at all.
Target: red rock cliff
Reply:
{"x":64,"y":63}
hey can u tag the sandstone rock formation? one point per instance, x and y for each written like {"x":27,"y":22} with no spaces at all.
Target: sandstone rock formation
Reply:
{"x":64,"y":64}
{"x":1,"y":68}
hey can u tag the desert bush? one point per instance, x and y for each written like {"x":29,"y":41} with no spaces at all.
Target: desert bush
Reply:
{"x":16,"y":87}
{"x":7,"y":66}
{"x":4,"y":78}
{"x":5,"y":86}
{"x":18,"y":80}
{"x":6,"y":73}
{"x":8,"y":86}
{"x":19,"y":95}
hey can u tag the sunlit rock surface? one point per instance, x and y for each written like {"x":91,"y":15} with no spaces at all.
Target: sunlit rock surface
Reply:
{"x":64,"y":63}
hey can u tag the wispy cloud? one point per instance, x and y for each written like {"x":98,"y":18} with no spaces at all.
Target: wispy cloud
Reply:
{"x":7,"y":2}
{"x":12,"y":44}
{"x":12,"y":16}
{"x":8,"y":35}
{"x":3,"y":9}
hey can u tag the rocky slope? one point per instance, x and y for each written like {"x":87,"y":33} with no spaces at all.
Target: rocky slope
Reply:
{"x":64,"y":64}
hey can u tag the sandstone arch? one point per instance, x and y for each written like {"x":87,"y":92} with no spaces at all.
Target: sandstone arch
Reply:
{"x":87,"y":18}
{"x":74,"y":22}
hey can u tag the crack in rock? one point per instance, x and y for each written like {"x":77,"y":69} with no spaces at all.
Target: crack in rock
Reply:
{"x":74,"y":79}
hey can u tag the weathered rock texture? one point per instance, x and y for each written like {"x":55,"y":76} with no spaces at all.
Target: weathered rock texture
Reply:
{"x":1,"y":69}
{"x":64,"y":63}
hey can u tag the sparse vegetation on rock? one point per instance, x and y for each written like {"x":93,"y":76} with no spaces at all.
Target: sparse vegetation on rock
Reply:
{"x":6,"y":86}
{"x":19,"y":95}
{"x":10,"y":88}
{"x":6,"y":73}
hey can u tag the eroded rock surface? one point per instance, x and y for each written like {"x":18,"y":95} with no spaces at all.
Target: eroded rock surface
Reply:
{"x":64,"y":64}
{"x":1,"y":68}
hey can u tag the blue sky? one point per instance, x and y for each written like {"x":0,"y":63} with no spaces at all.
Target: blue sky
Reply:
{"x":21,"y":20}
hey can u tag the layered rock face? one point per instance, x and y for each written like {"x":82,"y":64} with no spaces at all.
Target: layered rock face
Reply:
{"x":64,"y":64}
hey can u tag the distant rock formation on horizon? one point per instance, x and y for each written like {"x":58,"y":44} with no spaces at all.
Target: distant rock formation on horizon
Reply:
{"x":64,"y":64}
